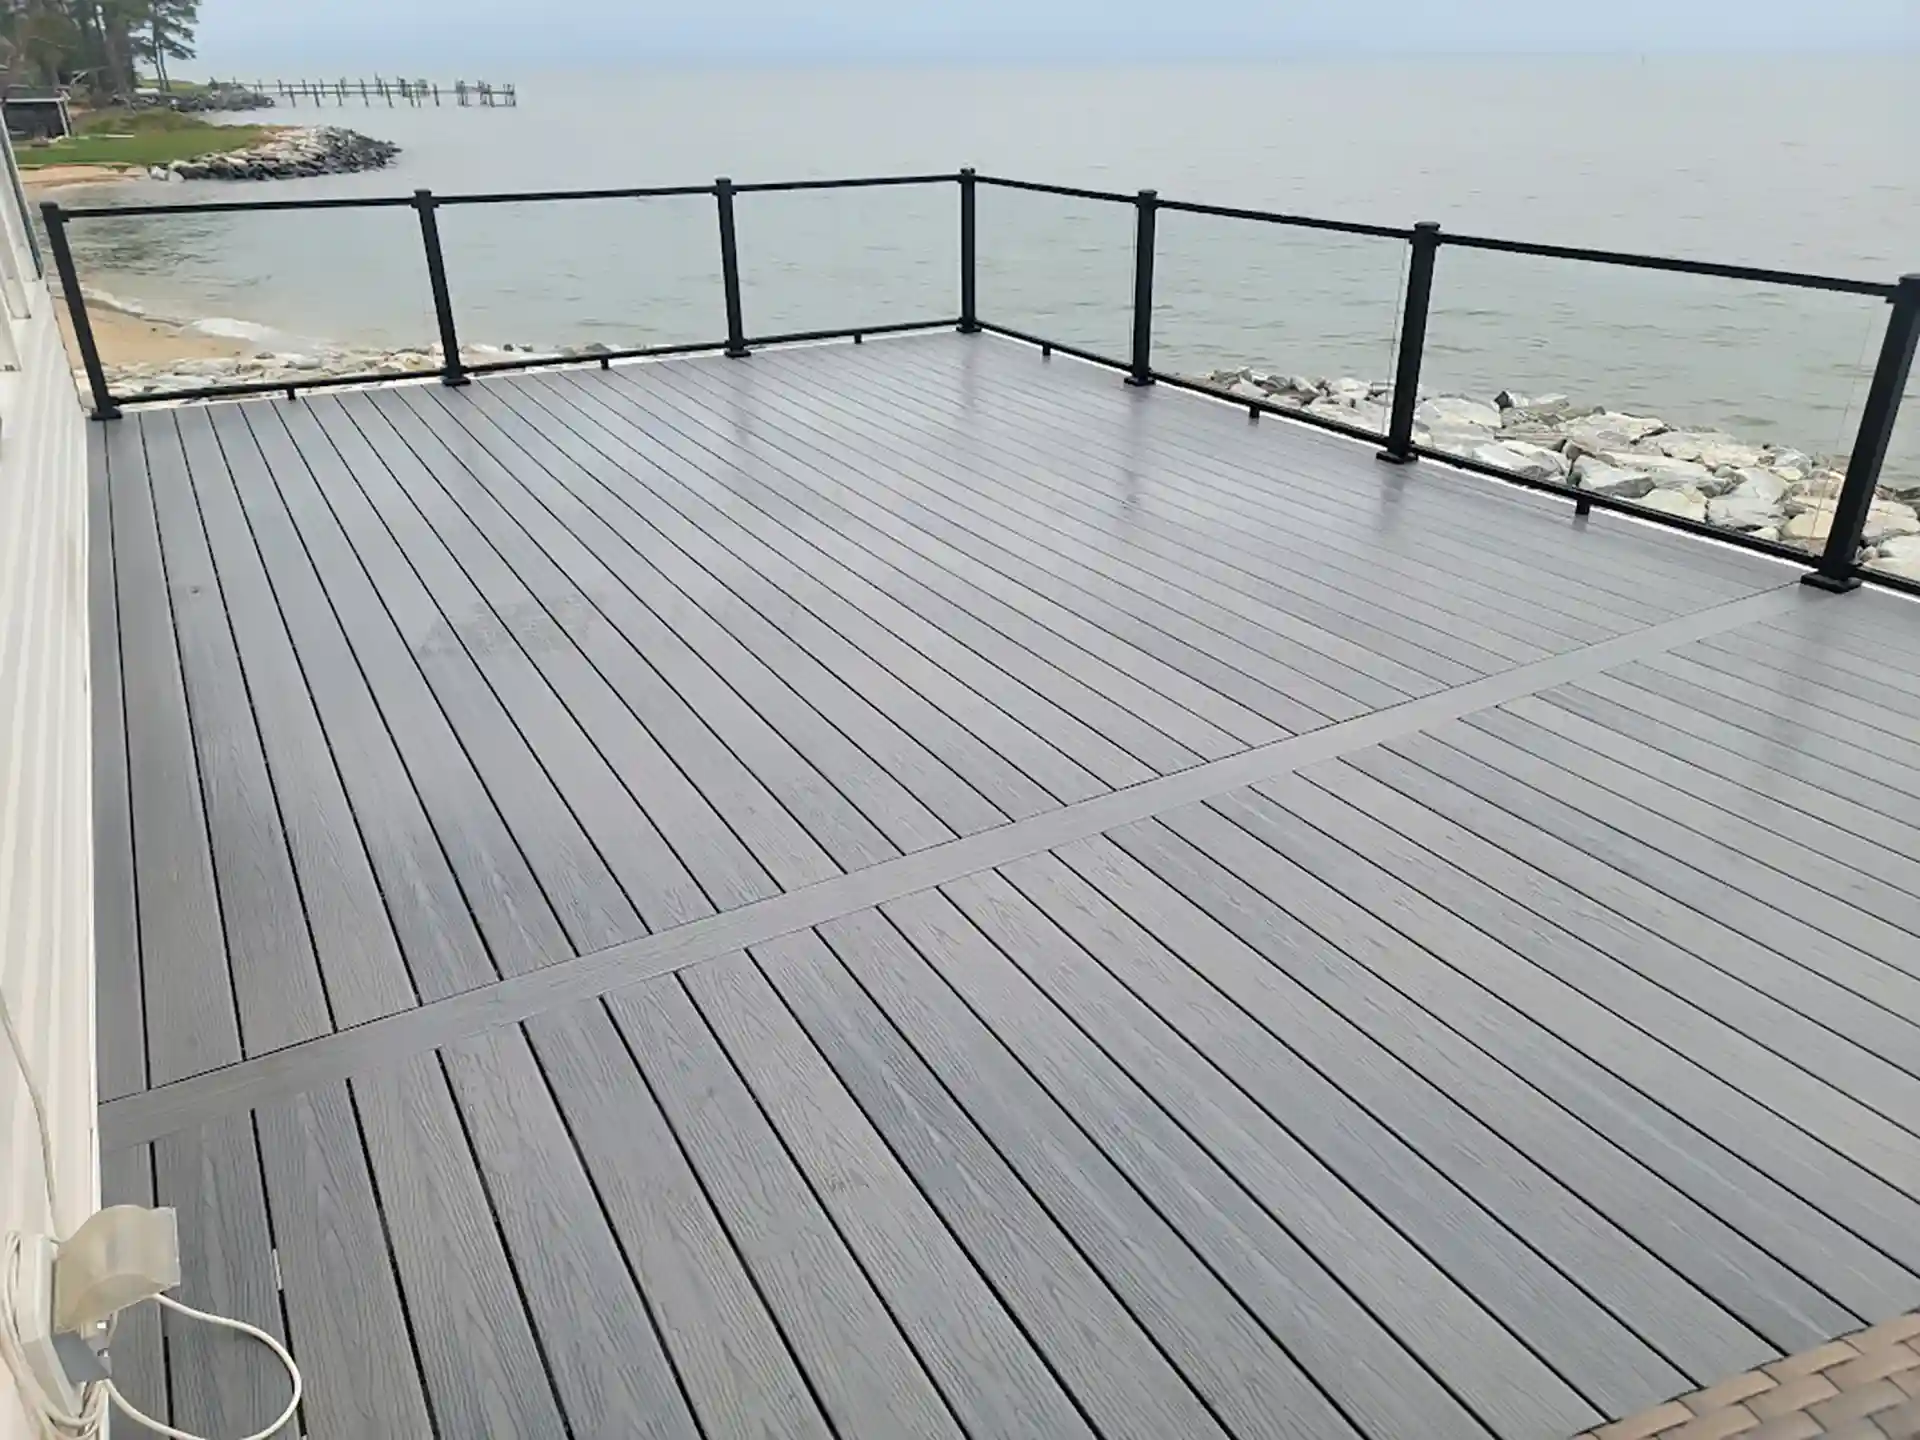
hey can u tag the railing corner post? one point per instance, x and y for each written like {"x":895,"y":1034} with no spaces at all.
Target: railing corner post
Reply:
{"x":730,"y":270}
{"x":1413,"y":343}
{"x":104,"y":405}
{"x":969,"y":293}
{"x":1147,"y":206}
{"x":1839,"y":567}
{"x":453,"y":370}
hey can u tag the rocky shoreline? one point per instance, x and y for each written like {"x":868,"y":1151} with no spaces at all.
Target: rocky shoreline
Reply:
{"x":285,"y":367}
{"x":289,"y":154}
{"x":1769,"y":491}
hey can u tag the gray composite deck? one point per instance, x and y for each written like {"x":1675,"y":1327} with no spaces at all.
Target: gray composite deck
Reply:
{"x":914,"y":890}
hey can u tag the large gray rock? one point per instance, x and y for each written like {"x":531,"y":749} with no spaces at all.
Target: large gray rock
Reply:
{"x":1759,"y":485}
{"x":1540,"y":404}
{"x":1668,"y":472}
{"x":1889,"y":520}
{"x":1609,"y":430}
{"x":1534,"y":462}
{"x":1455,"y":440}
{"x":1596,"y":475}
{"x":1709,"y":448}
{"x":1736,"y":511}
{"x":1688,"y":504}
{"x":1819,"y":493}
{"x":1808,"y":527}
{"x":1364,"y":414}
{"x":1456,"y":412}
{"x":1899,"y":556}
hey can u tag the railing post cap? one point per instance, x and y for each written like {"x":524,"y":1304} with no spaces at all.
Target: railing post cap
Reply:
{"x":723,"y":183}
{"x":1432,"y":227}
{"x":968,"y":171}
{"x":1149,"y":194}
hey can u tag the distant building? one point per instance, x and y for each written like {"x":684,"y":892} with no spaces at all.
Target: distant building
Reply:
{"x":37,"y":114}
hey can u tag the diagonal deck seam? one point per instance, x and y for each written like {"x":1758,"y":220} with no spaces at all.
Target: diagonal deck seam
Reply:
{"x":283,"y":1073}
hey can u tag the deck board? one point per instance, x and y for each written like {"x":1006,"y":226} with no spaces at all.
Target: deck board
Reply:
{"x":1366,"y":611}
{"x":431,"y":914}
{"x":1238,"y":940}
{"x":479,"y":1360}
{"x":277,"y":986}
{"x":865,"y":1371}
{"x":732,"y":666}
{"x":998,"y":706}
{"x":1311,"y":481}
{"x":339,"y":1291}
{"x":121,"y":1039}
{"x":1076,"y":675}
{"x":1039,"y":1257}
{"x":740,"y":839}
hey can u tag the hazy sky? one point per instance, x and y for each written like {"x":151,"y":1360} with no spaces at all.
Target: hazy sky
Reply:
{"x":524,"y":35}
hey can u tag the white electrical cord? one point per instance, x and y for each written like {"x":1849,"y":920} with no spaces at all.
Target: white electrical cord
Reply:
{"x":225,"y":1323}
{"x":90,"y":1423}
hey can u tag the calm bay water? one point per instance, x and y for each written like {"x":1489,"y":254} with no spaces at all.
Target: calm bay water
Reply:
{"x":1783,"y":162}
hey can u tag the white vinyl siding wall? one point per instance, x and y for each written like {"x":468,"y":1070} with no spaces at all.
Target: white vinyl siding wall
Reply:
{"x":46,"y":830}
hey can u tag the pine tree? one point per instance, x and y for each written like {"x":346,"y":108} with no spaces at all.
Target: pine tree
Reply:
{"x":94,"y":44}
{"x":170,"y":34}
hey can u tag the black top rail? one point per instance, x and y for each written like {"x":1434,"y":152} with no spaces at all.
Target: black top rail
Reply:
{"x":232,"y":207}
{"x":863,"y":182}
{"x":522,"y":197}
{"x":505,"y":197}
{"x":1304,"y":222}
{"x":1795,"y":279}
{"x":1838,"y":566}
{"x":1039,"y":188}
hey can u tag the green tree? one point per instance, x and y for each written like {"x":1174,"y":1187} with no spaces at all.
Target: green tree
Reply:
{"x":93,"y":44}
{"x":38,"y":42}
{"x":169,"y":35}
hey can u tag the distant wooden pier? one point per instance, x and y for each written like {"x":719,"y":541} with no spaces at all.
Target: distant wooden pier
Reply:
{"x":380,"y":90}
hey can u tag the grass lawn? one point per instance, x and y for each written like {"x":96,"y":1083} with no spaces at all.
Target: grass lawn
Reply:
{"x":143,"y":137}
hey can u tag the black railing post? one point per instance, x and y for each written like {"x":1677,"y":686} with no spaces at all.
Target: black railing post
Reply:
{"x":730,"y":270}
{"x":1413,"y":343}
{"x":1839,"y":563}
{"x":1147,"y":206}
{"x":969,"y":312}
{"x":104,"y":407}
{"x":452,"y":371}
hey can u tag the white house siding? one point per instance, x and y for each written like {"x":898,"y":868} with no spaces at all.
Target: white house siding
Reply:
{"x":46,"y":844}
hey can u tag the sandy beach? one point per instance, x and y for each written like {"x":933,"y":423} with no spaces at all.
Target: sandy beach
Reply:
{"x":127,"y":339}
{"x":55,"y":177}
{"x":134,"y":339}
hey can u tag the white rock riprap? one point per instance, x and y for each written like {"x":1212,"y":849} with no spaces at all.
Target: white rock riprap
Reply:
{"x":281,"y":367}
{"x":1772,"y":492}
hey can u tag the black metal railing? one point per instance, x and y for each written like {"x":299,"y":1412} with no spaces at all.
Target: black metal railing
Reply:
{"x":1837,"y":566}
